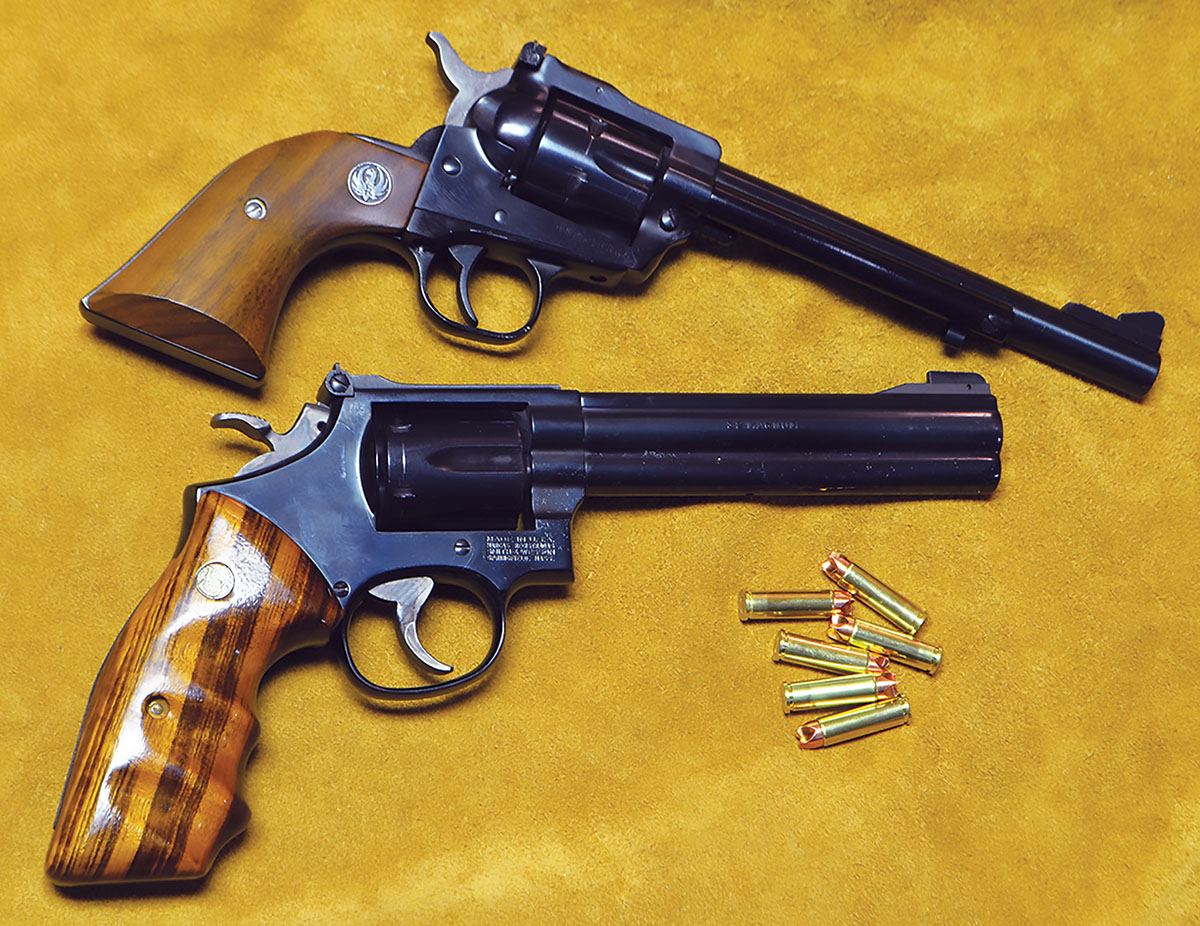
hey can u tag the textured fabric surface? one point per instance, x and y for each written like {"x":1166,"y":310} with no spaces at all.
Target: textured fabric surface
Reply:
{"x":628,"y":760}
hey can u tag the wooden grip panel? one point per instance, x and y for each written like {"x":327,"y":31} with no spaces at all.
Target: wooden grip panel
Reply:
{"x":151,"y":793}
{"x":209,"y":286}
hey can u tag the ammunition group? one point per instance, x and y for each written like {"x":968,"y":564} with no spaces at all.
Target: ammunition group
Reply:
{"x":864,"y":690}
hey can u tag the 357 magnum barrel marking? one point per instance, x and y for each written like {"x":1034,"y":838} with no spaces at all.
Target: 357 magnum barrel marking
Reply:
{"x":761,"y":425}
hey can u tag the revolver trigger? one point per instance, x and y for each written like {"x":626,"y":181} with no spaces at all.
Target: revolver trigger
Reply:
{"x":539,"y":273}
{"x":466,"y":255}
{"x":409,"y":595}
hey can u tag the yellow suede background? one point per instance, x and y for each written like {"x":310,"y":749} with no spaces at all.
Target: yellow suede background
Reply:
{"x":628,"y":760}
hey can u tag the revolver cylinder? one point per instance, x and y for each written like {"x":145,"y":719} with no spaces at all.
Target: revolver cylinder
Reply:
{"x":427,"y":468}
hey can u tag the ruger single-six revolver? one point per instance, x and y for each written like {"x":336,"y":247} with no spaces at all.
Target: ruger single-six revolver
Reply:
{"x":551,"y":171}
{"x":385,"y":489}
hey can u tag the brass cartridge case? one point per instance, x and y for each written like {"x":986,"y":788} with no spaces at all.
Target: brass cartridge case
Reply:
{"x":899,"y":647}
{"x":773,"y":606}
{"x":874,"y":594}
{"x":848,"y":725}
{"x":838,"y":692}
{"x":817,"y":654}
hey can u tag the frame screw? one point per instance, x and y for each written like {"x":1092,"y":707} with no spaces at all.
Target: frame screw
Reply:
{"x":339,"y":382}
{"x":341,"y":589}
{"x":462,"y":547}
{"x":667,"y":220}
{"x":256,"y":209}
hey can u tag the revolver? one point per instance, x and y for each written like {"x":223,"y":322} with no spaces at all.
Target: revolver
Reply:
{"x":557,"y":174}
{"x":389,"y":490}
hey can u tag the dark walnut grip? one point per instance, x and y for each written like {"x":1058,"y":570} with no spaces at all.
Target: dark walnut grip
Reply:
{"x":209,"y":286}
{"x":152,"y":789}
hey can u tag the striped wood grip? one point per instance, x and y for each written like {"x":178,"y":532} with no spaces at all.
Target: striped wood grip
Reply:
{"x":151,"y":793}
{"x":209,"y":286}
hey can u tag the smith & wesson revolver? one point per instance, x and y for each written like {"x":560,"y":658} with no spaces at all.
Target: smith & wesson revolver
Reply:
{"x":384,"y":489}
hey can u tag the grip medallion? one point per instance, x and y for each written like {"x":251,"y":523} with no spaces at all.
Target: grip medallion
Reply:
{"x":208,"y":288}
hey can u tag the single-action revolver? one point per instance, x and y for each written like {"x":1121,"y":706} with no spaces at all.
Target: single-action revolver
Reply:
{"x":553,"y":172}
{"x":384,"y":489}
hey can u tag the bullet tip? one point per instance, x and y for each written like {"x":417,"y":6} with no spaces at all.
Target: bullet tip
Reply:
{"x":836,"y":565}
{"x":841,"y":627}
{"x":888,"y":686}
{"x":811,"y":736}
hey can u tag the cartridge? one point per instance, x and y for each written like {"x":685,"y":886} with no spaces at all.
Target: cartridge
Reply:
{"x":899,"y":647}
{"x":773,"y":606}
{"x":817,"y":654}
{"x":848,"y":725}
{"x":838,"y":692}
{"x":874,"y":594}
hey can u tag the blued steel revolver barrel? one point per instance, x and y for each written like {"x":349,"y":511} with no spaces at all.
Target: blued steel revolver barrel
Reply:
{"x":940,"y":437}
{"x":1119,"y":353}
{"x":443,"y":457}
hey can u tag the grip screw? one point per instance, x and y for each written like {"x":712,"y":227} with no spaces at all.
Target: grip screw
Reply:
{"x":156,"y":706}
{"x":256,"y":209}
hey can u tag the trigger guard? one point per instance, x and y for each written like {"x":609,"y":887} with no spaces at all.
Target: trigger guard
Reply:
{"x":538,"y":273}
{"x":496,"y":608}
